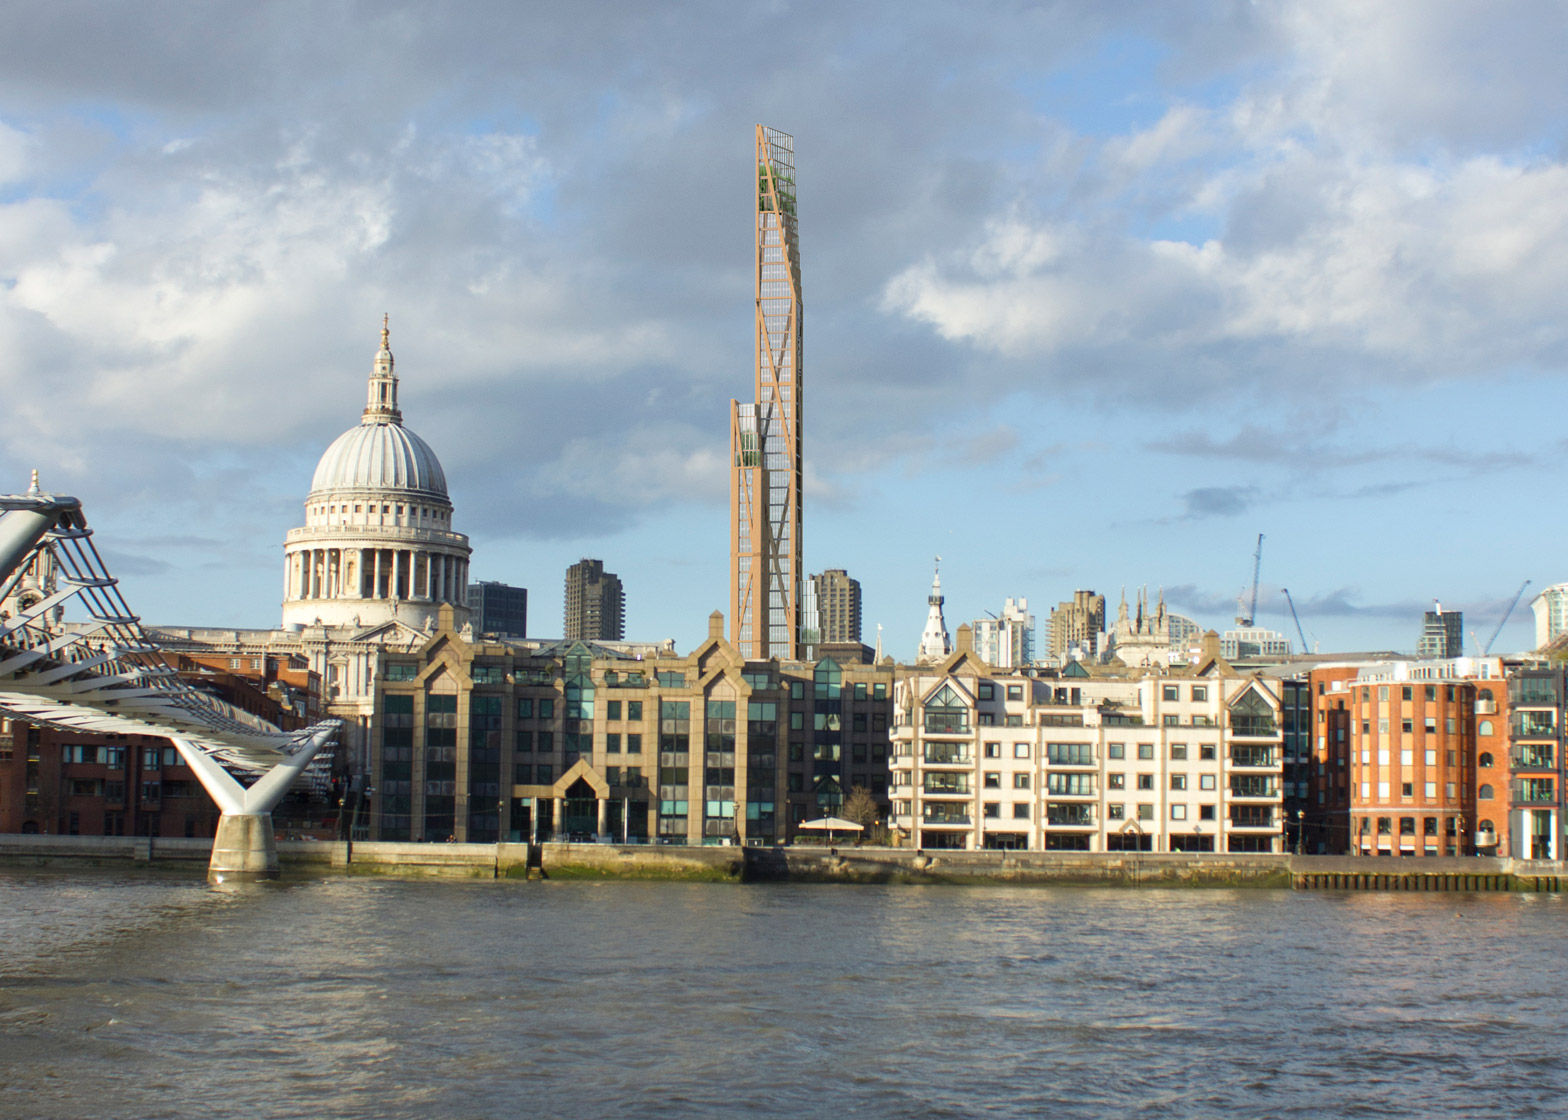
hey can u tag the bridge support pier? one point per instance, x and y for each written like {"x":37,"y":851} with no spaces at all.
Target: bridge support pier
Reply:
{"x":246,"y":847}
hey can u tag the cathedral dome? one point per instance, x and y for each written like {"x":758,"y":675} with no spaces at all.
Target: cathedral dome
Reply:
{"x":379,"y":456}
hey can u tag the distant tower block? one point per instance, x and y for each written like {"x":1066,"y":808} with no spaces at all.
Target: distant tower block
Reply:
{"x":838,"y":605}
{"x":595,"y":603}
{"x":766,"y":608}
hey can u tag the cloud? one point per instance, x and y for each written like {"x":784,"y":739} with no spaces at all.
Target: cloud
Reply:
{"x":1219,"y":501}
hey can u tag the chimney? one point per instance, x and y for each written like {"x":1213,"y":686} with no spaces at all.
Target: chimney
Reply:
{"x":964,"y":639}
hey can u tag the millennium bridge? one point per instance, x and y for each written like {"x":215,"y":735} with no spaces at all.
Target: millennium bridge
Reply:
{"x":103,"y":674}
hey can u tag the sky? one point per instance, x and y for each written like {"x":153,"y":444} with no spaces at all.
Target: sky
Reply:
{"x":1094,"y":294}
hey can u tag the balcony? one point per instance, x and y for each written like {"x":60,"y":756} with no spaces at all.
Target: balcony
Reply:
{"x":1486,"y":707}
{"x":1534,"y":725}
{"x":1253,"y":786}
{"x":946,"y":815}
{"x":1253,"y":756}
{"x":948,"y":754}
{"x":1535,"y":791}
{"x":1252,"y":816}
{"x":1254,"y":727}
{"x":1069,"y":816}
{"x":1534,"y":756}
{"x":947,"y":785}
{"x":947,"y":723}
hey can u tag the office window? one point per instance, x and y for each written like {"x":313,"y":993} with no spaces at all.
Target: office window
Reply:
{"x":1020,"y":810}
{"x":1145,"y":781}
{"x":1178,"y":812}
{"x":1020,"y":781}
{"x":1145,"y":812}
{"x":1178,"y":752}
{"x":1200,"y":692}
{"x":1171,"y":692}
{"x":1145,"y":751}
{"x":993,"y":750}
{"x":992,"y":779}
{"x":1206,"y":781}
{"x":1115,"y":781}
{"x":612,"y":710}
{"x":1115,"y":750}
{"x":1020,"y":750}
{"x":1178,"y":781}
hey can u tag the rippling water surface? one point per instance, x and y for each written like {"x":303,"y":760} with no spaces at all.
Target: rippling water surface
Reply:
{"x":163,"y":997}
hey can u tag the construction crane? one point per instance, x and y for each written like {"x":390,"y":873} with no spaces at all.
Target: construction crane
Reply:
{"x":1245,"y":619}
{"x":1300,"y":633}
{"x":1504,"y":620}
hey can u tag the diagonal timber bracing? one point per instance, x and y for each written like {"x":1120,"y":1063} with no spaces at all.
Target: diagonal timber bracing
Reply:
{"x":765,"y":437}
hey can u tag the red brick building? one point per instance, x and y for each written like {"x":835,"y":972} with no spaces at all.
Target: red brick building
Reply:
{"x":1411,"y":757}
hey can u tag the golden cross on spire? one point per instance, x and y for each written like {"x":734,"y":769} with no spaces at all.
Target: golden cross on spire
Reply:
{"x":385,"y":333}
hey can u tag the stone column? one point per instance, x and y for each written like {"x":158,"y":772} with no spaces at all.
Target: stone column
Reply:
{"x":603,"y":807}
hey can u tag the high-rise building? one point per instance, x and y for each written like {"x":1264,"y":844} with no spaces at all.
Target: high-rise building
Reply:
{"x":766,"y":582}
{"x":1442,"y":634}
{"x":1551,"y":614}
{"x":595,"y":603}
{"x":498,"y":608}
{"x":838,"y":606}
{"x":1078,"y":624}
{"x":1006,"y":641}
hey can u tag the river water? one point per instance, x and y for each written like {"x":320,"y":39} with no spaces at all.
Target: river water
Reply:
{"x":158,"y":996}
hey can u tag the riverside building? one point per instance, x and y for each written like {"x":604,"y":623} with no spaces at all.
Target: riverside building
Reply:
{"x":480,"y":740}
{"x":1111,"y":760}
{"x":1422,"y":747}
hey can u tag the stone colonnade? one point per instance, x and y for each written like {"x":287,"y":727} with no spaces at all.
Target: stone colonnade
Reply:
{"x":377,"y":573}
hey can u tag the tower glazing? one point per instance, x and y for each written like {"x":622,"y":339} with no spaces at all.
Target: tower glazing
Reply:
{"x":765,"y":437}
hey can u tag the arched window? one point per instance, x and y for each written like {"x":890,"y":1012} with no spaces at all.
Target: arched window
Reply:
{"x":1485,"y":759}
{"x":1484,"y":793}
{"x":1484,"y":694}
{"x":1485,"y":826}
{"x":1484,"y":728}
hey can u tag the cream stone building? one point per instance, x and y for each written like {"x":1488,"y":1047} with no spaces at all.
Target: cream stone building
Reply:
{"x":1141,"y":759}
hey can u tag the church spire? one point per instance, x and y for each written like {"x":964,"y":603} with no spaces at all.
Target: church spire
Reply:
{"x":381,"y":405}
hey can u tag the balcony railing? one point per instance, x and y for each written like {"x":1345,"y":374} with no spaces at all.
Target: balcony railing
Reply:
{"x":1069,"y":816}
{"x":951,"y":785}
{"x":1252,"y":756}
{"x":1532,"y":725}
{"x":1253,"y":786}
{"x":947,"y":723}
{"x":1252,"y":816}
{"x":948,"y":754}
{"x":1535,"y":756}
{"x":1262,"y":727}
{"x":946,"y":814}
{"x":1535,"y":791}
